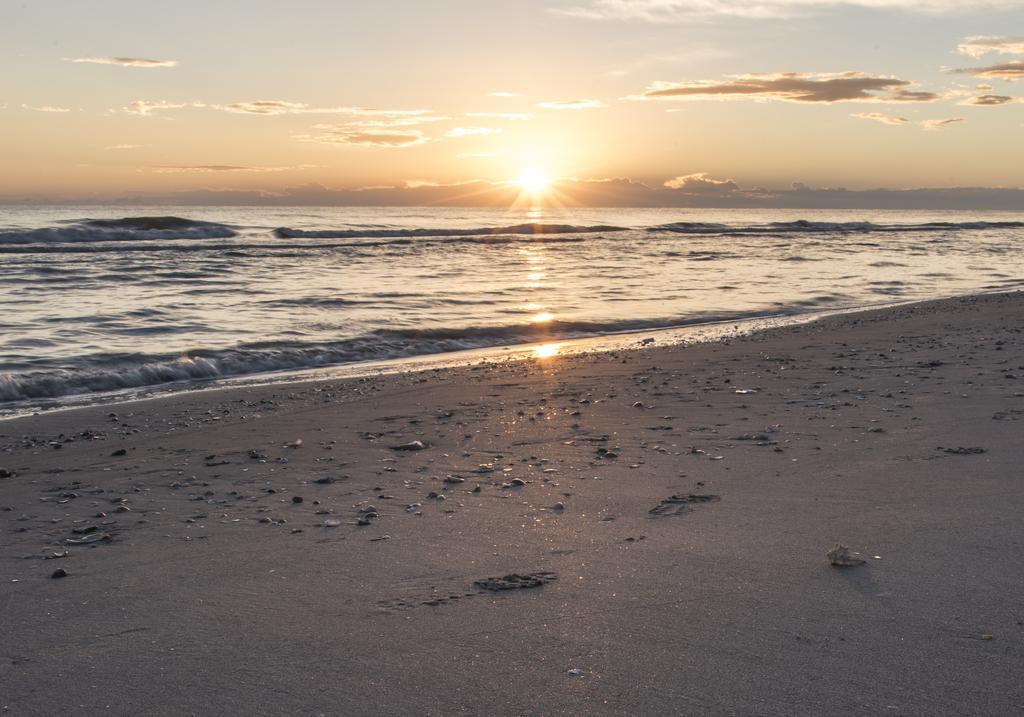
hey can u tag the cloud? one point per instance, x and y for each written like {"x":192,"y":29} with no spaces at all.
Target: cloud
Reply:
{"x":343,"y":135}
{"x":511,"y":116}
{"x":792,"y":87}
{"x":146,"y":108}
{"x":47,"y":108}
{"x":980,"y":45}
{"x":883,"y":118}
{"x":991,"y":100}
{"x":124,"y":146}
{"x":283,"y":107}
{"x":470,"y":131}
{"x":263,"y":107}
{"x":937,"y":124}
{"x":1011,"y":70}
{"x":701,"y":183}
{"x":572,"y":105}
{"x":175,"y":168}
{"x":126,"y":61}
{"x":667,"y":11}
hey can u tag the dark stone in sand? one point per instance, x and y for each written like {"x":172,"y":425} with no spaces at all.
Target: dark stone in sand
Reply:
{"x":676,"y":504}
{"x":4,"y":473}
{"x":296,"y":499}
{"x":515,"y":581}
{"x":59,"y":573}
{"x":120,"y":452}
{"x":963,"y":451}
{"x":325,"y":481}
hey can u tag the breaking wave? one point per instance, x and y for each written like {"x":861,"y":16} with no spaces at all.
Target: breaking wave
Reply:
{"x":803,"y":226}
{"x":114,"y":372}
{"x":529,"y":229}
{"x":124,"y":229}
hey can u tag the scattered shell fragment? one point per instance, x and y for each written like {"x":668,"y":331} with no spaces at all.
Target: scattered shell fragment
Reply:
{"x":410,"y":446}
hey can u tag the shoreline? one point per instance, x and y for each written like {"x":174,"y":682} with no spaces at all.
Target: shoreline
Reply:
{"x":659,"y":515}
{"x":682,"y":334}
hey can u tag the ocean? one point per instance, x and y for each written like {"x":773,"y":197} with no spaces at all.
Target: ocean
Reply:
{"x":129,"y":299}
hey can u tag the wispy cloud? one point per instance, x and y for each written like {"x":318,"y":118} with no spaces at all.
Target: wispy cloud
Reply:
{"x":512,"y":116}
{"x":47,"y":108}
{"x":980,"y":45}
{"x":991,"y":100}
{"x":343,"y":135}
{"x":1011,"y":70}
{"x":375,"y":117}
{"x":176,"y":168}
{"x":264,"y":107}
{"x":883,"y":118}
{"x":125,"y":61}
{"x":668,"y":11}
{"x":573,"y":105}
{"x":937,"y":124}
{"x":792,"y":87}
{"x":124,"y":146}
{"x":470,"y":131}
{"x":146,"y":108}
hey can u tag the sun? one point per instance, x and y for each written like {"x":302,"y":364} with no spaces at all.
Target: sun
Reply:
{"x":533,"y":179}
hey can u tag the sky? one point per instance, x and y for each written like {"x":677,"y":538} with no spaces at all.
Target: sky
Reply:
{"x":645,"y":102}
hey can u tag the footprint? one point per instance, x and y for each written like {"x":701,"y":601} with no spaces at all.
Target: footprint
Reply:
{"x":515,"y":581}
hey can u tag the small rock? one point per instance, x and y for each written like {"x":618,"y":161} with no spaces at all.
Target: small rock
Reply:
{"x":296,"y":499}
{"x":119,"y":452}
{"x":59,"y":573}
{"x":410,"y":446}
{"x":840,"y":556}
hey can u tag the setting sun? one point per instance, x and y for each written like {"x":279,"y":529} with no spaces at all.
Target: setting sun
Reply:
{"x":533,"y":179}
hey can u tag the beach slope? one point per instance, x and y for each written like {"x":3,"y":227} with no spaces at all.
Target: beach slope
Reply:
{"x":636,"y":532}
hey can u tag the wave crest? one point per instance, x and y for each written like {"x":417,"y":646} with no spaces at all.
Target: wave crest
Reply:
{"x":123,"y":229}
{"x":519,"y":229}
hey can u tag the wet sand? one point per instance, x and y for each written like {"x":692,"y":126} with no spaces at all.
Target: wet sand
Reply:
{"x":635,"y":532}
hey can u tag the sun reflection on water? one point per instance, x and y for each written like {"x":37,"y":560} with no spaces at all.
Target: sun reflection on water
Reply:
{"x":545,"y":351}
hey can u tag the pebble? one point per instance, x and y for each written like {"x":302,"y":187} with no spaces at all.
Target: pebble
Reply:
{"x":410,"y":446}
{"x":59,"y":573}
{"x":296,"y":499}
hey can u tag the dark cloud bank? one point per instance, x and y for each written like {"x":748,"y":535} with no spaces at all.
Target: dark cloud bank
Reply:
{"x":689,"y":191}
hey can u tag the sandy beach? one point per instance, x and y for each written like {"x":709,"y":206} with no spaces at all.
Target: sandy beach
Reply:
{"x":636,"y":532}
